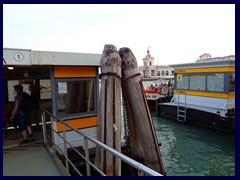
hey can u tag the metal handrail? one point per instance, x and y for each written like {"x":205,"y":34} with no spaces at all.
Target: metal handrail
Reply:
{"x":126,"y":159}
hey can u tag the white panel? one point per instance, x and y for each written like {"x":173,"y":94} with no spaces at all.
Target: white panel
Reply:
{"x":218,"y":103}
{"x":65,"y":58}
{"x":17,"y":57}
{"x":77,"y":140}
{"x":31,"y":57}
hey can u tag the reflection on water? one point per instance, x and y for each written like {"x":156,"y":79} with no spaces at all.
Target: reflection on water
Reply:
{"x":191,"y":150}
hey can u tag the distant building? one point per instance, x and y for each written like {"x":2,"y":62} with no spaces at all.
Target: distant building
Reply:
{"x":204,"y":56}
{"x":207,"y":57}
{"x":150,"y":69}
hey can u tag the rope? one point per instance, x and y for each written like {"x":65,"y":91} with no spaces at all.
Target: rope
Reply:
{"x":135,"y":75}
{"x":109,"y":74}
{"x":117,"y":76}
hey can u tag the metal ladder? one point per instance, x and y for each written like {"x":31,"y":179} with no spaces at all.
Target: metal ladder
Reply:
{"x":181,"y":110}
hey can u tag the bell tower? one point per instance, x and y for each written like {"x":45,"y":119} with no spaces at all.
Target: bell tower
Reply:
{"x":148,"y":60}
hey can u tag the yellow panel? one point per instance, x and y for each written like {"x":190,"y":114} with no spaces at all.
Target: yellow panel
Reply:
{"x":79,"y":123}
{"x":74,"y":71}
{"x":219,"y":69}
{"x":206,"y":94}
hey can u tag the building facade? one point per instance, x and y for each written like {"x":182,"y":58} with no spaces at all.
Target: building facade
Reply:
{"x":149,"y":68}
{"x":207,"y":57}
{"x":204,"y":56}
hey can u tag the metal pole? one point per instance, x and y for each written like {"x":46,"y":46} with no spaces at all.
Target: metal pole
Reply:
{"x":87,"y":156}
{"x":157,"y":106}
{"x":65,"y":149}
{"x":43,"y":117}
{"x":53,"y":144}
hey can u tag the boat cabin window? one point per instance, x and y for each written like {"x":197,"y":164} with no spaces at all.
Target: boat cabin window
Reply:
{"x":209,"y":82}
{"x":182,"y":81}
{"x":197,"y":82}
{"x":215,"y":82}
{"x":232,"y":82}
{"x":75,"y":96}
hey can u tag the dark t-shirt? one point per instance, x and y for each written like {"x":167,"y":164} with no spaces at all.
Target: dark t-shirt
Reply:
{"x":19,"y":98}
{"x":34,"y":101}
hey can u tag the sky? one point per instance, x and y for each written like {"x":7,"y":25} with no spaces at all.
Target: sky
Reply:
{"x":175,"y":33}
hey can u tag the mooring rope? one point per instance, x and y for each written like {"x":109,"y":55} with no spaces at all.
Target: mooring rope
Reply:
{"x":110,"y":73}
{"x":135,"y":75}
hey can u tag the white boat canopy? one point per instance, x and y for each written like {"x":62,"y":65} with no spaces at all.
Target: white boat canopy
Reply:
{"x":205,"y":64}
{"x":31,"y":57}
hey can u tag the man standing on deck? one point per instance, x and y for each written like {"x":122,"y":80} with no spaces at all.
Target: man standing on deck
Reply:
{"x":21,"y":113}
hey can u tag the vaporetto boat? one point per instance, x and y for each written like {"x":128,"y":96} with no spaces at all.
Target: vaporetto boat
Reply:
{"x":204,"y":94}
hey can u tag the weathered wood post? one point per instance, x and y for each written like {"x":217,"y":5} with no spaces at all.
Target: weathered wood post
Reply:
{"x":143,"y":140}
{"x":109,"y":122}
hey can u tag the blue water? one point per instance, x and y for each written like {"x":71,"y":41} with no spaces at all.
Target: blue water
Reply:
{"x":189,"y":150}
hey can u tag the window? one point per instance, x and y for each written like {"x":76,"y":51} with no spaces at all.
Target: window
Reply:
{"x":11,"y":83}
{"x":182,"y":81}
{"x":215,"y":82}
{"x":45,"y":89}
{"x":167,"y":73}
{"x":163,"y":73}
{"x":150,"y":63}
{"x":152,"y":72}
{"x":75,"y":96}
{"x":197,"y":82}
{"x":232,"y":82}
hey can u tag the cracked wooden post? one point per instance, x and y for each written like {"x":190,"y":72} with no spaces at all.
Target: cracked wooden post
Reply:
{"x":143,"y":140}
{"x":109,"y":122}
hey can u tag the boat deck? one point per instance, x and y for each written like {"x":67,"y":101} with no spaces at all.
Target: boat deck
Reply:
{"x":33,"y":157}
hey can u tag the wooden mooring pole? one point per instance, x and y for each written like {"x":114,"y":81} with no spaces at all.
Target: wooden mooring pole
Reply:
{"x":143,"y":140}
{"x":109,"y":122}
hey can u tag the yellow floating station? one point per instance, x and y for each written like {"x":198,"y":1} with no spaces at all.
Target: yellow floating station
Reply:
{"x":67,"y":85}
{"x":204,"y":94}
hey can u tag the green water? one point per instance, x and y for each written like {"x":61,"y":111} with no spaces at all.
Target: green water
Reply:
{"x":189,"y":150}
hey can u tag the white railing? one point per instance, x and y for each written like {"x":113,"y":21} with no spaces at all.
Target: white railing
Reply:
{"x":52,"y":146}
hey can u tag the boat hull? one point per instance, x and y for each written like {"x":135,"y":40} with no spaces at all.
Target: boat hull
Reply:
{"x":198,"y":117}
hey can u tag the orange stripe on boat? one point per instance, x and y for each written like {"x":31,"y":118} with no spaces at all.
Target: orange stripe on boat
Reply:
{"x":79,"y":123}
{"x":205,"y":94}
{"x":202,"y":70}
{"x":73,"y":71}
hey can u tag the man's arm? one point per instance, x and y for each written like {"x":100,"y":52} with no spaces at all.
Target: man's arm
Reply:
{"x":14,"y":112}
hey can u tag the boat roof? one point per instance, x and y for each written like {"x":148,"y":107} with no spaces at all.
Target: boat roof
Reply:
{"x":205,"y":64}
{"x":13,"y":56}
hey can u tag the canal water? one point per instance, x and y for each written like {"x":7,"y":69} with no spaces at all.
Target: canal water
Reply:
{"x":189,"y":150}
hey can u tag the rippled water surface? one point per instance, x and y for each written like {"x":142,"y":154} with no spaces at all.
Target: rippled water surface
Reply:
{"x":189,"y":150}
